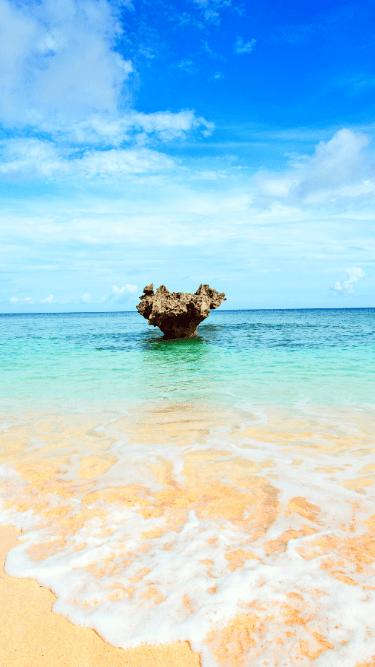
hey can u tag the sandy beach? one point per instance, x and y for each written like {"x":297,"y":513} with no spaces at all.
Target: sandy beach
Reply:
{"x":33,"y":636}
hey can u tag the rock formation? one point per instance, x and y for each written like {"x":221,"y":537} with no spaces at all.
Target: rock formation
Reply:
{"x":178,"y":314}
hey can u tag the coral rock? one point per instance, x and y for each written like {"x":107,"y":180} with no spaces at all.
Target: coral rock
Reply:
{"x":178,"y":314}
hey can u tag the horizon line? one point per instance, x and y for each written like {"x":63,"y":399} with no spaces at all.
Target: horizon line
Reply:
{"x":224,"y":310}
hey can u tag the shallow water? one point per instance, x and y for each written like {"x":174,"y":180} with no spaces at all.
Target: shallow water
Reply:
{"x":218,"y":490}
{"x":109,"y":359}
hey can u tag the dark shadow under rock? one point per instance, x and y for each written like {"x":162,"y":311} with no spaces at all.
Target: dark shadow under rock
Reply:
{"x":178,"y":314}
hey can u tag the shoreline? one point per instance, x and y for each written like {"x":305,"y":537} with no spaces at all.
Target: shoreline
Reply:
{"x":33,"y":635}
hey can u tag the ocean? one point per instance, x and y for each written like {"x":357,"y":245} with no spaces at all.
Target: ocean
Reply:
{"x":218,"y":490}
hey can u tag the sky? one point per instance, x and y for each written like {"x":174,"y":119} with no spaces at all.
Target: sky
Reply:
{"x":183,"y":142}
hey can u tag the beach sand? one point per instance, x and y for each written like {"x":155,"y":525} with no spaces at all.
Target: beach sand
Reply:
{"x":33,"y":636}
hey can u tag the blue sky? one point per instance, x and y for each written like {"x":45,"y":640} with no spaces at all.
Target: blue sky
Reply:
{"x":183,"y":142}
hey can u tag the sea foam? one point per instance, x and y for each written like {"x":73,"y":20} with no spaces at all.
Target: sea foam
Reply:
{"x":248,"y":532}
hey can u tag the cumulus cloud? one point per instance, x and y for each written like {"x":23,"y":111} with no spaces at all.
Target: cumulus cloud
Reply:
{"x":60,"y":74}
{"x":241,"y":46}
{"x":57,"y":60}
{"x":86,"y":298}
{"x":344,"y":287}
{"x":335,"y":163}
{"x":60,"y":77}
{"x":339,"y":169}
{"x":48,"y":299}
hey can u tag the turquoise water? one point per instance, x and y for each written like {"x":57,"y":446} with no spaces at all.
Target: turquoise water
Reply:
{"x":112,"y":359}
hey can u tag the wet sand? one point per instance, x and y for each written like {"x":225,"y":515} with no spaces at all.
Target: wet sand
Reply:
{"x":31,"y":635}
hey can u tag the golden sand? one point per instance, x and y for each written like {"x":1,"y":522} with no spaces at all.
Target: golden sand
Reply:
{"x":33,"y":636}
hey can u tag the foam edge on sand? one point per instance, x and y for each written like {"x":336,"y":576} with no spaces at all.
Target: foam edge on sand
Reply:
{"x":32,"y":634}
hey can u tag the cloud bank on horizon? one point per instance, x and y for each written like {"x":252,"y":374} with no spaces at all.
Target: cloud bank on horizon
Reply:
{"x":186,"y":142}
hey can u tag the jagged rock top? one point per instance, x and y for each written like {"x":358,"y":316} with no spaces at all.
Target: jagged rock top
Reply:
{"x":178,"y":314}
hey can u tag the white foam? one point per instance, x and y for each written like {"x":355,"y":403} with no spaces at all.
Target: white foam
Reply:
{"x":160,"y":594}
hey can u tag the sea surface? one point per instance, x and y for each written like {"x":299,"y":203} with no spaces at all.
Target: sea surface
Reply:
{"x":218,"y":490}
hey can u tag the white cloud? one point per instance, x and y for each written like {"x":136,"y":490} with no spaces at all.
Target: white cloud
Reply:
{"x":33,"y":158}
{"x":125,"y":289}
{"x":123,"y":293}
{"x":28,"y":300}
{"x":210,"y":9}
{"x":164,"y":225}
{"x":132,"y":125}
{"x":61,"y":75}
{"x":212,"y":16}
{"x":167,"y":125}
{"x":30,"y":157}
{"x":119,"y":294}
{"x":116,"y":162}
{"x":57,"y":60}
{"x":204,"y":4}
{"x":244,"y":47}
{"x":340,"y":169}
{"x":185,"y":64}
{"x":48,"y":299}
{"x":335,"y":163}
{"x":343,"y":287}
